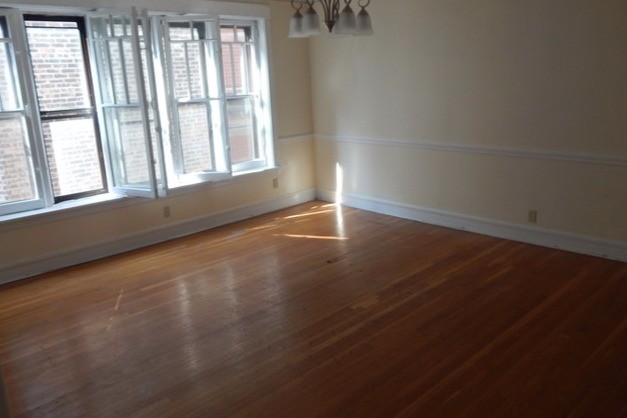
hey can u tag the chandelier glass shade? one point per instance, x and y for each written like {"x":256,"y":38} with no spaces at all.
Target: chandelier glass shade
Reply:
{"x":344,"y":22}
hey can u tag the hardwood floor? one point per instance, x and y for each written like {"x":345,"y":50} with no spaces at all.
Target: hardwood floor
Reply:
{"x":319,"y":311}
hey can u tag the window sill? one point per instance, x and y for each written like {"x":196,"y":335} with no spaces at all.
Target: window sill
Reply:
{"x":64,"y":210}
{"x":246,"y":173}
{"x":108,"y":201}
{"x":223,"y":182}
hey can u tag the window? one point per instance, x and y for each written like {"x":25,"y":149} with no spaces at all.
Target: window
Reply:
{"x":127,"y":103}
{"x":122,"y":56}
{"x":243,"y":92}
{"x":215,"y":98}
{"x":198,"y":137}
{"x":20,"y":175}
{"x":58,"y":56}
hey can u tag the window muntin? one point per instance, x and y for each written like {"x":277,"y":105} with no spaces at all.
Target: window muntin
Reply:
{"x":58,"y":57}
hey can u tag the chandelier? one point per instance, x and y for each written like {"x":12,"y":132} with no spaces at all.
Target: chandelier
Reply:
{"x":337,"y":23}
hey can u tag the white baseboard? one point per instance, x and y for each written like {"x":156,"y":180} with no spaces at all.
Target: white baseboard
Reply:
{"x":130,"y":242}
{"x":532,"y":235}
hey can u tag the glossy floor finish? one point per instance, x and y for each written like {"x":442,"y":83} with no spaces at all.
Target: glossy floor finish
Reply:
{"x":317,"y":311}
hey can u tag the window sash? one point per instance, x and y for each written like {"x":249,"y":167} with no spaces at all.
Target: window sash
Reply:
{"x":181,"y":95}
{"x":250,"y":89}
{"x":25,"y":112}
{"x":56,"y":111}
{"x":130,"y":118}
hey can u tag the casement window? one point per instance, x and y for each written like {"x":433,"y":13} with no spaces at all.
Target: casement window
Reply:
{"x":122,"y":56}
{"x":195,"y":99}
{"x":130,"y":103}
{"x":21,"y":174}
{"x":243,"y":92}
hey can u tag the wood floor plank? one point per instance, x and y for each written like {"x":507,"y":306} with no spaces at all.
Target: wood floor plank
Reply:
{"x":321,"y":311}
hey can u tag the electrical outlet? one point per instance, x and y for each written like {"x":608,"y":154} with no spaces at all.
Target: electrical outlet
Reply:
{"x":166,"y":211}
{"x":275,"y":182}
{"x":532,"y":217}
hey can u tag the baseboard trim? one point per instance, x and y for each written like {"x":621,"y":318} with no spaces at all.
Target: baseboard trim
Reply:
{"x":538,"y":236}
{"x":50,"y":262}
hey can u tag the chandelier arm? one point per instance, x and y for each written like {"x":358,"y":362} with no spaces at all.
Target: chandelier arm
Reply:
{"x":331,"y":12}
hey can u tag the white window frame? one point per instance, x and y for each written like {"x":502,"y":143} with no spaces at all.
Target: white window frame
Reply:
{"x":152,"y":188}
{"x":256,"y":98}
{"x":29,"y":111}
{"x":219,"y":146}
{"x":157,"y":150}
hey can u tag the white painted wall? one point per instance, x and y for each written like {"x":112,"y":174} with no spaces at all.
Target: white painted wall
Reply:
{"x":482,"y":108}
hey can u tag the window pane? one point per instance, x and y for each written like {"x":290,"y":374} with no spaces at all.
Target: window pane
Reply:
{"x":180,"y":32}
{"x":57,"y":60}
{"x":179,"y":70}
{"x":121,"y":26}
{"x":16,"y":172}
{"x":117,"y":72}
{"x":192,"y":63}
{"x":129,"y":70}
{"x":237,"y":59}
{"x":195,"y":138}
{"x":227,"y":33}
{"x":240,"y":69}
{"x":116,"y":64}
{"x":242,"y":130}
{"x":196,"y":71}
{"x":243,"y":34}
{"x":3,"y":27}
{"x":9,"y":99}
{"x":128,"y":146}
{"x":227,"y":68}
{"x":73,"y":158}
